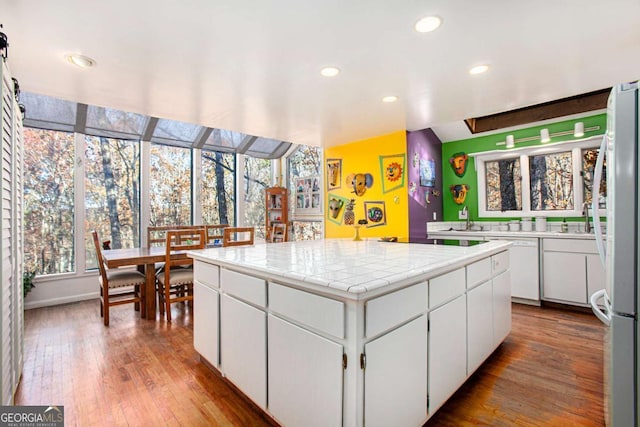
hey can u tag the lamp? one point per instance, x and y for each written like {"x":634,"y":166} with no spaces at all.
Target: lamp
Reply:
{"x":510,"y":142}
{"x":578,"y":129}
{"x":544,"y":135}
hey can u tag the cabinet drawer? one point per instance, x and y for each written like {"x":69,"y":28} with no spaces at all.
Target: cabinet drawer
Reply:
{"x":478,"y":272}
{"x":446,"y":287}
{"x":500,"y":262}
{"x":244,"y":287}
{"x":207,"y":274}
{"x":570,"y":245}
{"x":323,"y":314}
{"x":389,"y":310}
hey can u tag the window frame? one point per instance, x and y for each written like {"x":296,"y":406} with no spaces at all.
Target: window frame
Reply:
{"x":575,"y":147}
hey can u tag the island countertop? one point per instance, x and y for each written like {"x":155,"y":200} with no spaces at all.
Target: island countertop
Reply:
{"x":353,"y":269}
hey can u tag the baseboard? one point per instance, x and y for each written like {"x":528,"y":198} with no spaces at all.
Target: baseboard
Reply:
{"x":58,"y":301}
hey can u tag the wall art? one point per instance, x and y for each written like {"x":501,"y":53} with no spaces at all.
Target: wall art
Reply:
{"x":376,"y":213}
{"x":359,"y":182}
{"x":459,"y":163}
{"x":392,"y":171}
{"x":336,"y":208}
{"x":427,"y":173}
{"x":334,"y":174}
{"x":459,"y":193}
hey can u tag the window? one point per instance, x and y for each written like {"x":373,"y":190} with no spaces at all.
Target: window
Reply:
{"x":49,"y":201}
{"x":218,"y":187}
{"x":170,"y":185}
{"x":589,"y":157}
{"x":112,"y":193}
{"x":257,"y":177}
{"x":550,"y":180}
{"x":305,"y":162}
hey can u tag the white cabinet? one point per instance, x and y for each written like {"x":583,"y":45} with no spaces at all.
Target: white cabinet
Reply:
{"x":206,"y":308}
{"x":501,"y":307}
{"x":572,"y":270}
{"x":396,"y":376}
{"x":447,"y":351}
{"x":305,"y":376}
{"x":480,"y":342}
{"x":243,"y":347}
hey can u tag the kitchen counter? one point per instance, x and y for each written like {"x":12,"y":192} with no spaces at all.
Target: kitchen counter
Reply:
{"x":479,"y":235}
{"x":353,"y":269}
{"x":311,"y":330}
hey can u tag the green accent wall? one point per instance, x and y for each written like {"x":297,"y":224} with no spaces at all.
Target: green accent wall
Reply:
{"x":488,"y":143}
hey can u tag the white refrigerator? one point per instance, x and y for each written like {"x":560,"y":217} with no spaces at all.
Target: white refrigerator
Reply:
{"x":617,"y":305}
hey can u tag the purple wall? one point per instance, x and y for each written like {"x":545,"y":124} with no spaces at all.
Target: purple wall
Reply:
{"x":425,"y":145}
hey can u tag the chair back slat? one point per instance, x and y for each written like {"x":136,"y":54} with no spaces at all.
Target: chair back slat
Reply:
{"x":215,"y":232}
{"x":157,"y":234}
{"x":237,"y":236}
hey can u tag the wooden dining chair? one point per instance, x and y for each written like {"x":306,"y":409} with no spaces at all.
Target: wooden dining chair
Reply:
{"x":157,"y":234}
{"x":215,"y":233}
{"x":237,"y":236}
{"x":117,"y":286}
{"x":175,"y":282}
{"x":278,"y":233}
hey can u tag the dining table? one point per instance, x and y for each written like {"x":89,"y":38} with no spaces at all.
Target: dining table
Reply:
{"x":145,"y":259}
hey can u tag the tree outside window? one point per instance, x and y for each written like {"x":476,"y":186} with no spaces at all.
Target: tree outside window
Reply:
{"x":257,"y":177}
{"x":170,"y":185}
{"x":218,"y":187}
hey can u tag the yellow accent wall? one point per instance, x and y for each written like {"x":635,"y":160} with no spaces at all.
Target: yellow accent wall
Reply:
{"x":365,"y":157}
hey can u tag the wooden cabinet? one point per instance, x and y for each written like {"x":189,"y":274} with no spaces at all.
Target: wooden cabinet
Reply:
{"x":206,"y":308}
{"x":243,"y":347}
{"x":395,"y":383}
{"x":305,"y":376}
{"x":572,"y":270}
{"x":447,"y":351}
{"x":480,"y":342}
{"x":277,"y":211}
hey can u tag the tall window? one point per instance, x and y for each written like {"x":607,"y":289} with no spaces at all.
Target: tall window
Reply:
{"x":257,"y":177}
{"x":170,"y":185}
{"x":504,"y":185}
{"x":551,"y":178}
{"x":218,"y":187}
{"x":49,"y":201}
{"x":112,"y":193}
{"x":304,"y":162}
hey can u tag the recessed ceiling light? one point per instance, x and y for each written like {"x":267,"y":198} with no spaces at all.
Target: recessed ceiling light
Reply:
{"x":79,"y":60}
{"x":390,"y":98}
{"x":479,"y":69}
{"x":330,"y":71}
{"x":428,"y":24}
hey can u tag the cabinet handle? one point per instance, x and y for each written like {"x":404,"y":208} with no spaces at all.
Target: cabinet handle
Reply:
{"x":363,"y":361}
{"x":344,"y":361}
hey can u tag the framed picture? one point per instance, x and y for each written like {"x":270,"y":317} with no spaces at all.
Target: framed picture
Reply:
{"x":307,"y":195}
{"x":375,"y":213}
{"x":336,"y":207}
{"x":334,"y":174}
{"x":392,"y":171}
{"x":427,"y":173}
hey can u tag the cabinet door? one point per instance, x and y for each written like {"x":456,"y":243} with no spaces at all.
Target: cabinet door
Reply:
{"x":480,"y":340}
{"x":565,"y":277}
{"x":447,"y":351}
{"x":395,"y":378}
{"x":205,"y":322}
{"x":595,"y":274}
{"x":501,"y":307}
{"x":305,"y":376}
{"x":524,"y":260}
{"x":243,"y":347}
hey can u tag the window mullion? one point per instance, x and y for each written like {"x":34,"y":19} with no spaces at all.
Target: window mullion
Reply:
{"x":79,"y":204}
{"x":525,"y":185}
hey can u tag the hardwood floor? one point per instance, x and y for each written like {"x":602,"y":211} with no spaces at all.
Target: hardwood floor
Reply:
{"x":135,"y":372}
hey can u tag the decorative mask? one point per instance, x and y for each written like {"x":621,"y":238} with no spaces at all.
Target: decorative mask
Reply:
{"x":459,"y":163}
{"x":459,"y":192}
{"x":334,"y":173}
{"x":393,"y":172}
{"x":360,"y":182}
{"x":335,"y":206}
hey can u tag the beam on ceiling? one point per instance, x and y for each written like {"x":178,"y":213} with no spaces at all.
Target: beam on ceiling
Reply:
{"x":81,"y":118}
{"x":151,"y":127}
{"x":246,"y":144}
{"x":562,"y":107}
{"x":202,"y":137}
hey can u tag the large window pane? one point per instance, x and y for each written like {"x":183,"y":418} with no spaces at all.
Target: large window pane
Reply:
{"x":257,"y":177}
{"x":112,"y":193}
{"x":218,"y":187}
{"x":48,"y":201}
{"x":589,"y":157}
{"x":304,"y":162}
{"x":504,"y":185}
{"x":551,"y":177}
{"x":170,"y":185}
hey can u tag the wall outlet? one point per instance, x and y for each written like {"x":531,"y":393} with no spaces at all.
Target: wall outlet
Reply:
{"x":462,"y":214}
{"x":435,"y":216}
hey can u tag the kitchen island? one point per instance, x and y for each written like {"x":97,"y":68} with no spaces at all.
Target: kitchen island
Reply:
{"x":337,"y":332}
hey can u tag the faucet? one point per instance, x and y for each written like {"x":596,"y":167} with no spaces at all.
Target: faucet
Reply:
{"x":465,"y":212}
{"x":585,"y":212}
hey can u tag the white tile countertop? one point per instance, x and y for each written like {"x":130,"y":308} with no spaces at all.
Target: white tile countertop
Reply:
{"x":353,"y":269}
{"x":456,"y":231}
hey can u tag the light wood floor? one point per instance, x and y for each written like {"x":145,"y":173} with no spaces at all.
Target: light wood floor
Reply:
{"x":140,"y":373}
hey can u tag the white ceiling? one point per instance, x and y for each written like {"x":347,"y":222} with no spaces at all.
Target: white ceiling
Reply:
{"x":253,"y":66}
